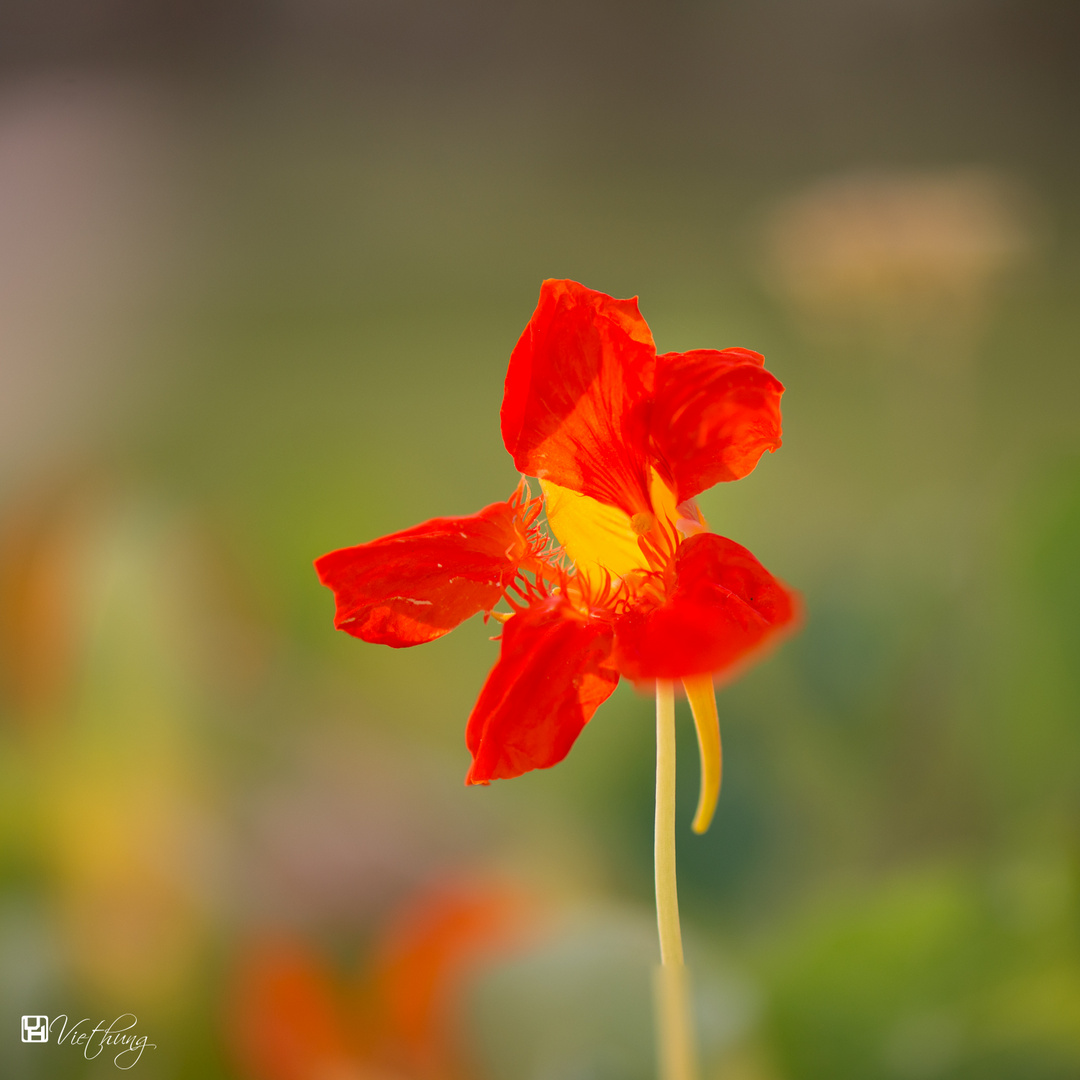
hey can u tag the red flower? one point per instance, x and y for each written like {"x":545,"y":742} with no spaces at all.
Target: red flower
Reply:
{"x":621,"y":440}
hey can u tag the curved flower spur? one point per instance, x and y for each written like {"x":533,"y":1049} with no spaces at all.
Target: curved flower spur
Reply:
{"x":621,"y":440}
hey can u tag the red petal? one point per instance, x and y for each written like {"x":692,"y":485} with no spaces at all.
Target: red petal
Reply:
{"x":417,"y":585}
{"x":724,"y":606}
{"x":554,"y":669}
{"x":714,"y":415}
{"x":575,"y":410}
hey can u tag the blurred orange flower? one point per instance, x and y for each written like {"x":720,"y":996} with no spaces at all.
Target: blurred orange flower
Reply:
{"x":292,"y":1018}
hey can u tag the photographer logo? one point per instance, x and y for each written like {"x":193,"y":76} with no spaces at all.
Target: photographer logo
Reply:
{"x":118,"y":1039}
{"x":35,"y":1029}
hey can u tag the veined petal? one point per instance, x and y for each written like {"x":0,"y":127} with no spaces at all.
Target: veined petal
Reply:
{"x":554,"y":669}
{"x":416,"y":585}
{"x":575,"y":409}
{"x":603,"y":541}
{"x":724,"y":606}
{"x":714,"y":414}
{"x":598,"y":538}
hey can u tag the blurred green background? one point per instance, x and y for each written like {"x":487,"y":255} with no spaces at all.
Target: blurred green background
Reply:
{"x":261,"y":269}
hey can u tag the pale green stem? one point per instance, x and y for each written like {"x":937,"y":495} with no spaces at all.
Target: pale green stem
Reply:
{"x":673,"y":1017}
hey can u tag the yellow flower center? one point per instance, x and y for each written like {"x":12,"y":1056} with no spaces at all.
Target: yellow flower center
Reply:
{"x":603,"y":540}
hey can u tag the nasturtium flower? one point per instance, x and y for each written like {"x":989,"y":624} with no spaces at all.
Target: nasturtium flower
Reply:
{"x":621,"y":440}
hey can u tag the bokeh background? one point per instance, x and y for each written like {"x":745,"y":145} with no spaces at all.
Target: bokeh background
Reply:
{"x":261,"y":268}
